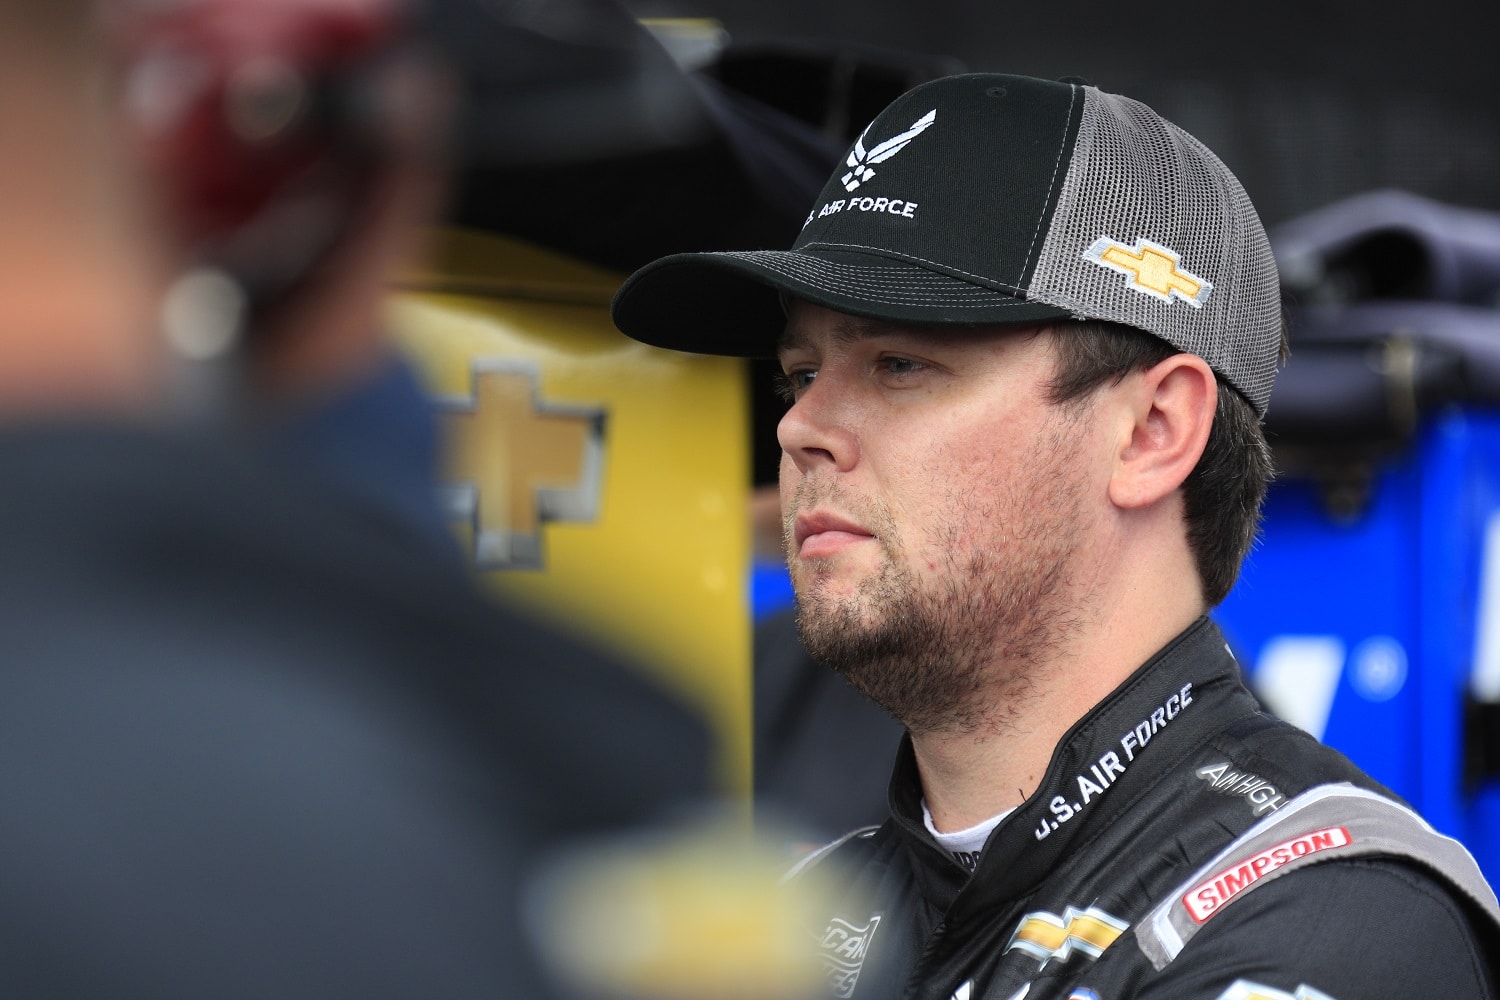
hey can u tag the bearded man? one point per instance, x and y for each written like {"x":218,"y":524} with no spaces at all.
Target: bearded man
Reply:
{"x":1029,"y":332}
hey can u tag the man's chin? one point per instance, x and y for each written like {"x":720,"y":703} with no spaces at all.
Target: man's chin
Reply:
{"x":838,"y":621}
{"x":838,"y":579}
{"x":835,"y":606}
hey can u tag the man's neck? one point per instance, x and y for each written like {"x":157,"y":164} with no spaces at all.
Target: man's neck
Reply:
{"x":980,"y":771}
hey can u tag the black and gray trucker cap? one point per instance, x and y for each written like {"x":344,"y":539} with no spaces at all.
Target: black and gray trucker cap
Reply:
{"x":995,"y":199}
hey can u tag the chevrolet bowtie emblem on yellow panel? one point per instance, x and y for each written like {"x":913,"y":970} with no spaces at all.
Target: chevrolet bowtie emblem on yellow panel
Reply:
{"x":519,"y":461}
{"x":1046,"y":936}
{"x":1150,"y":268}
{"x":596,"y":481}
{"x":1243,"y":989}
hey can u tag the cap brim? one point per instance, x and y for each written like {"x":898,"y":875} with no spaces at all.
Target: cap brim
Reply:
{"x":729,"y":303}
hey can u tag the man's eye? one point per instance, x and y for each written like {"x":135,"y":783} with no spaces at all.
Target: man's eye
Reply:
{"x":900,"y":366}
{"x":790,"y":384}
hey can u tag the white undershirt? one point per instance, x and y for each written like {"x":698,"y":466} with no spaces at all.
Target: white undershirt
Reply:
{"x":966,"y":844}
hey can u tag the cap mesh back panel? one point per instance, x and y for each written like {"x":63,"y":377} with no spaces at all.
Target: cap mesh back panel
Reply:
{"x":1136,"y":175}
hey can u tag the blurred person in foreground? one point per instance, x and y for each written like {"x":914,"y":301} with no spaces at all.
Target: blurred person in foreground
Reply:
{"x":294,"y":153}
{"x":1029,"y":332}
{"x":257,"y":736}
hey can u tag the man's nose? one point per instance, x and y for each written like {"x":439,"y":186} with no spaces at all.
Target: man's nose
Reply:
{"x":817,"y":431}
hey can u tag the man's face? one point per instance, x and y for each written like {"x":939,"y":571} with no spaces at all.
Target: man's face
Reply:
{"x":934,"y":508}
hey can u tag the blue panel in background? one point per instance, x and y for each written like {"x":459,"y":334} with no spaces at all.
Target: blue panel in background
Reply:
{"x":1364,"y":630}
{"x":770,"y":588}
{"x":1319,"y":602}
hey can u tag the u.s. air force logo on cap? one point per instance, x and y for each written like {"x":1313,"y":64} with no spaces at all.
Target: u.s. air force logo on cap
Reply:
{"x":860,"y":158}
{"x":1151,"y":269}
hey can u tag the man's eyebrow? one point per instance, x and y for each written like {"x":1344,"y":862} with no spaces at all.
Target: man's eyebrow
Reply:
{"x":790,"y":340}
{"x":846,"y":330}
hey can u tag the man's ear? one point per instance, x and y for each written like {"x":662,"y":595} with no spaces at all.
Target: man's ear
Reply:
{"x":1166,"y":414}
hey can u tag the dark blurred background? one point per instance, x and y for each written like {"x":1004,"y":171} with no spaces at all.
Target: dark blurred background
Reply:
{"x":1306,"y":102}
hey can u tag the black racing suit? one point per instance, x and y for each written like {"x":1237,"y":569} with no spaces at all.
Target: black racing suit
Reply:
{"x":1150,"y":863}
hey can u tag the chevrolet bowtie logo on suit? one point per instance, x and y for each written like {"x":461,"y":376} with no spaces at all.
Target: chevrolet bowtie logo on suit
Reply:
{"x":1047,"y":936}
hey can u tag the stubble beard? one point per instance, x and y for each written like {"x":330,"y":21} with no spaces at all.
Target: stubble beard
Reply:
{"x":965,"y":650}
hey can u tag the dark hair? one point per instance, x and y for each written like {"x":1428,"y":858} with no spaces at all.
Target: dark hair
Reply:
{"x":1223,"y":493}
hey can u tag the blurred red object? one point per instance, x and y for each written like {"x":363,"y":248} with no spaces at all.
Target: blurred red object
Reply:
{"x":236,"y":105}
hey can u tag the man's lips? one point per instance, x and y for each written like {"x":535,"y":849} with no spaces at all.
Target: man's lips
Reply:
{"x":821,"y":533}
